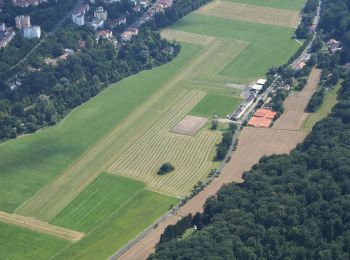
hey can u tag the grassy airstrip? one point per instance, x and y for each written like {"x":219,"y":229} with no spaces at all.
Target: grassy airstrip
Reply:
{"x":56,"y":175}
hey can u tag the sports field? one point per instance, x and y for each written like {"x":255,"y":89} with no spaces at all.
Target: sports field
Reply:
{"x":56,"y":175}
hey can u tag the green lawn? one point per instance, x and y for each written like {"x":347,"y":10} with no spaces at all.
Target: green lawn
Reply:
{"x":283,"y":4}
{"x":329,"y":101}
{"x":30,"y":162}
{"x":219,"y":105}
{"x":124,"y":224}
{"x":20,"y":243}
{"x":107,"y":195}
{"x":267,"y":45}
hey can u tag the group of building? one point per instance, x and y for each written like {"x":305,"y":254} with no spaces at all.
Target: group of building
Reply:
{"x":29,"y":31}
{"x":26,"y":3}
{"x":23,"y":24}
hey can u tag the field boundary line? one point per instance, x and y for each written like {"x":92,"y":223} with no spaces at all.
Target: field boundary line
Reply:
{"x":41,"y":226}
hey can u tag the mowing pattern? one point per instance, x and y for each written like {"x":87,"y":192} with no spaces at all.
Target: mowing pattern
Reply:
{"x":191,"y":156}
{"x":174,"y":35}
{"x":251,"y":13}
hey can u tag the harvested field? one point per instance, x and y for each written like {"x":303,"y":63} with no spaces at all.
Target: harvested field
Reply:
{"x":191,"y":156}
{"x":179,"y":36}
{"x":190,"y":125}
{"x":294,"y":115}
{"x":251,"y":13}
{"x":40,"y":226}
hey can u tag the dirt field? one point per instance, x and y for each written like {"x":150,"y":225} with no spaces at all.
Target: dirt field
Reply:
{"x":294,"y":114}
{"x":175,"y":35}
{"x":251,"y":13}
{"x":41,"y":226}
{"x":253,"y":143}
{"x":190,"y":125}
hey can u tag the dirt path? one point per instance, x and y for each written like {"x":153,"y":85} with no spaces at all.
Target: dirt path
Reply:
{"x":41,"y":226}
{"x":253,"y":143}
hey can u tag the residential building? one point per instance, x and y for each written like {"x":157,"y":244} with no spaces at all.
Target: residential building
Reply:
{"x":333,"y":45}
{"x":22,"y":22}
{"x":78,"y":19}
{"x":84,"y":8}
{"x":7,"y":37}
{"x":26,"y":3}
{"x":32,"y":32}
{"x":128,"y":34}
{"x":96,"y":24}
{"x":2,"y":27}
{"x":104,"y":34}
{"x":100,"y":13}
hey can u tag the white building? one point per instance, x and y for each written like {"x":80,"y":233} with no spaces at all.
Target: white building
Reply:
{"x":100,"y":13}
{"x":78,"y":19}
{"x":22,"y":22}
{"x":32,"y":32}
{"x":2,"y":27}
{"x":96,"y":24}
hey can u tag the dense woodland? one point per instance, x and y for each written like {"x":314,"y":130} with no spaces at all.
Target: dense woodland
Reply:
{"x":47,"y":93}
{"x":293,"y":206}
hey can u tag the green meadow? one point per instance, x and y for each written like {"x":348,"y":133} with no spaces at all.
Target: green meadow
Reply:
{"x":267,"y":45}
{"x":113,"y":231}
{"x":219,"y":105}
{"x":282,"y":4}
{"x":20,"y":243}
{"x":30,"y":162}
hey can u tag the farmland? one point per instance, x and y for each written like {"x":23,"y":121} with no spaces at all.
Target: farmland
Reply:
{"x":84,"y":174}
{"x":19,"y":243}
{"x":283,"y":4}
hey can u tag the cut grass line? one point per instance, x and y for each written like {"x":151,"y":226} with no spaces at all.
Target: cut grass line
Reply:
{"x":40,"y":226}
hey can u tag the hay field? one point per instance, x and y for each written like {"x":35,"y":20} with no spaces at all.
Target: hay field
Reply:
{"x":191,"y":156}
{"x":174,"y":35}
{"x":282,"y":4}
{"x":251,"y":13}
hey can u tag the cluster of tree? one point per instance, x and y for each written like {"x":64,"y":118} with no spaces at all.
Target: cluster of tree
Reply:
{"x":179,"y":9}
{"x":292,"y":206}
{"x":308,"y":15}
{"x":335,"y":23}
{"x":166,"y":168}
{"x":47,"y":14}
{"x":226,"y":142}
{"x":48,"y":94}
{"x":176,"y":231}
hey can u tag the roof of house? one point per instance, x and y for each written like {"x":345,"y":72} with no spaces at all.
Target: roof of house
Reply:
{"x":257,"y":87}
{"x":261,"y":81}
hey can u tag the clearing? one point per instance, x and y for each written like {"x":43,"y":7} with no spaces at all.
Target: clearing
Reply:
{"x":189,"y":125}
{"x":251,"y":13}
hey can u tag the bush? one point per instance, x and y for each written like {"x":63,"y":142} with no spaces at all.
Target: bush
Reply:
{"x":166,"y":168}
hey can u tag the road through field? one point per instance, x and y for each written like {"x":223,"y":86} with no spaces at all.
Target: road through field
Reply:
{"x":253,"y":143}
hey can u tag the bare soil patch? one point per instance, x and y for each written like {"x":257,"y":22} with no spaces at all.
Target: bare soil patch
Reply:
{"x":251,"y":13}
{"x":294,"y":115}
{"x":41,"y":226}
{"x":190,"y":125}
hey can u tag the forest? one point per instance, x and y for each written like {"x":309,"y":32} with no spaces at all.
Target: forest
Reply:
{"x":47,"y":93}
{"x":294,"y":206}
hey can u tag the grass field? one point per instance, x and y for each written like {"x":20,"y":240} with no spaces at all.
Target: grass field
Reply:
{"x":30,"y":162}
{"x":120,"y":227}
{"x":267,"y":45}
{"x":283,"y":4}
{"x":20,"y":243}
{"x":329,"y":101}
{"x":105,"y":196}
{"x":212,"y":104}
{"x":191,"y":156}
